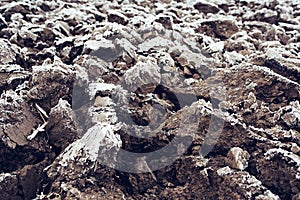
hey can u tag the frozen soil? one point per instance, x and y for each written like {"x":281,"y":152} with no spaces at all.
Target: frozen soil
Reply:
{"x":78,"y":77}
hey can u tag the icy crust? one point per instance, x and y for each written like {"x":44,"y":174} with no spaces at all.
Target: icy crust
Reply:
{"x":267,"y":71}
{"x":88,"y":147}
{"x":96,"y":45}
{"x":3,"y":176}
{"x":10,"y":68}
{"x":246,"y":185}
{"x":267,"y":195}
{"x":8,"y":184}
{"x":143,"y":73}
{"x":11,"y":74}
{"x":8,"y":52}
{"x":61,"y":76}
{"x":285,"y":155}
{"x":10,"y":132}
{"x":48,"y":66}
{"x":93,"y":88}
{"x":99,"y":143}
{"x":292,"y":113}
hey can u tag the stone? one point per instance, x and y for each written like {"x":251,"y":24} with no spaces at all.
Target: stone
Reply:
{"x":144,"y":76}
{"x":7,"y":186}
{"x":114,"y":16}
{"x":289,"y":170}
{"x":9,"y":52}
{"x":248,"y":186}
{"x":206,"y":7}
{"x":61,"y":128}
{"x":225,"y":28}
{"x":14,"y":130}
{"x":61,"y":76}
{"x":237,"y":158}
{"x":3,"y":23}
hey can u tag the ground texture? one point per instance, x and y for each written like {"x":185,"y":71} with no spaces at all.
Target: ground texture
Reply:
{"x":84,"y":82}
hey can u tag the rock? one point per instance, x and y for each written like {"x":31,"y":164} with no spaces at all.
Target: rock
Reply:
{"x":225,"y":29}
{"x":206,"y":7}
{"x":18,"y":7}
{"x":248,"y":186}
{"x":266,"y":196}
{"x":25,"y":38}
{"x":14,"y":130}
{"x":21,"y":156}
{"x":114,"y":16}
{"x":61,"y":128}
{"x":91,"y":147}
{"x":222,"y":29}
{"x":267,"y":15}
{"x":237,"y":158}
{"x":241,"y":44}
{"x":287,"y":175}
{"x":103,"y":49}
{"x":62,"y":78}
{"x":3,"y":23}
{"x":292,"y":118}
{"x":166,"y":21}
{"x":144,"y":76}
{"x":296,"y":197}
{"x":11,"y":76}
{"x":286,"y":71}
{"x":187,"y":167}
{"x":8,"y":187}
{"x":10,"y":53}
{"x":29,"y":179}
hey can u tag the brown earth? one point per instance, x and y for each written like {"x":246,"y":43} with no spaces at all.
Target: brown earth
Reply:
{"x":216,"y":84}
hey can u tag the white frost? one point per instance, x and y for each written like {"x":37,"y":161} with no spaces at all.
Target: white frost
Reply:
{"x":224,"y":171}
{"x":4,"y":175}
{"x":96,"y":137}
{"x":285,"y":155}
{"x":95,"y":87}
